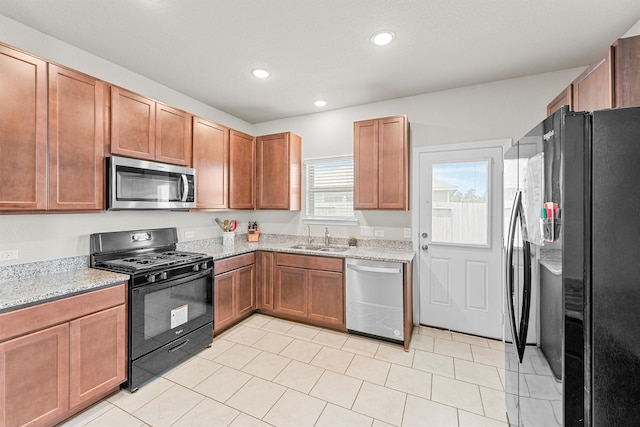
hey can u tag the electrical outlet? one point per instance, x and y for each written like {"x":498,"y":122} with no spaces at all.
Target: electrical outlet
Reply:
{"x":189,"y":234}
{"x":379,"y":233}
{"x":407,"y":233}
{"x":366,"y":231}
{"x":8,"y":255}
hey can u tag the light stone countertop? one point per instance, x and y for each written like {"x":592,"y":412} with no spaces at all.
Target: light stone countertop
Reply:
{"x":24,"y":285}
{"x":24,"y":292}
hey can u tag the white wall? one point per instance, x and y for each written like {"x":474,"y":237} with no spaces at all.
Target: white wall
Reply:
{"x":505,"y":109}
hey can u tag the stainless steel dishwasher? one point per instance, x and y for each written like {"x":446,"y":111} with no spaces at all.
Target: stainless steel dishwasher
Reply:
{"x":375,"y":298}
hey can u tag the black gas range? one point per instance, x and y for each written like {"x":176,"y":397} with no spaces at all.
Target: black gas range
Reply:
{"x":170,"y":297}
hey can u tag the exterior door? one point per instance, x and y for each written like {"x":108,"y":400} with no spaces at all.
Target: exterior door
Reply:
{"x":460,"y":223}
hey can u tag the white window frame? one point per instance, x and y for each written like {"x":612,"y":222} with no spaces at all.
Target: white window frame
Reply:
{"x":315,"y":219}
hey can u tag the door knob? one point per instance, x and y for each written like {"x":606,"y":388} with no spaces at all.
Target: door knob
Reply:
{"x":425,"y":235}
{"x":425,"y":247}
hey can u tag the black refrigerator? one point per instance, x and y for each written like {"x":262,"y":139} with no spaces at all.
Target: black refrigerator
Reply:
{"x":572,"y":261}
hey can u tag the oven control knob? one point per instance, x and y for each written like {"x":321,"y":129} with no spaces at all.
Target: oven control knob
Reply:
{"x":196,"y":267}
{"x":151,"y":278}
{"x":163,"y":275}
{"x":204,"y":265}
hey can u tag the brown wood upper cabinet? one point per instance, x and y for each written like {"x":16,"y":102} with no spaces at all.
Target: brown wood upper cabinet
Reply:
{"x":593,"y":89}
{"x":564,"y":98}
{"x":613,"y":80}
{"x":76,"y":140}
{"x":381,"y":163}
{"x":627,"y":66}
{"x":75,"y":105}
{"x":242,"y":170}
{"x":146,"y":129}
{"x":279,"y":171}
{"x":23,"y":131}
{"x":211,"y":161}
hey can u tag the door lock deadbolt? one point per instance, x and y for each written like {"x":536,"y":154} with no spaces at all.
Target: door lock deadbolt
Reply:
{"x":425,"y":235}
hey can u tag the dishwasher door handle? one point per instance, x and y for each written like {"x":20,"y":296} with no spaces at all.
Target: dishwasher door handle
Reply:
{"x":384,"y":270}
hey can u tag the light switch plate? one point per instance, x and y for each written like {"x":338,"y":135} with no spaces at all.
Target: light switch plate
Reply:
{"x":407,"y":233}
{"x":189,"y":234}
{"x":379,"y":233}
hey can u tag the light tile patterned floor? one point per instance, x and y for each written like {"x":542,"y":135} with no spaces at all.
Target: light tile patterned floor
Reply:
{"x":271,"y":372}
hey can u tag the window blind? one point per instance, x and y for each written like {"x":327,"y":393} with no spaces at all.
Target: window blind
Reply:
{"x":329,"y":188}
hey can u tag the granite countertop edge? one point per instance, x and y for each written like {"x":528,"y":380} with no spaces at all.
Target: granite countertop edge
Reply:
{"x":19,"y":293}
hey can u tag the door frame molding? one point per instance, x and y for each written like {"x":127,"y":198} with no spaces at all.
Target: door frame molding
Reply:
{"x":504,"y":144}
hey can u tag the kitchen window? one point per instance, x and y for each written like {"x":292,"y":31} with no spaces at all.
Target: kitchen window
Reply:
{"x":329,"y":190}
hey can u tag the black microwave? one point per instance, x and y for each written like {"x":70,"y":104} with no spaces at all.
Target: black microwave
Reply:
{"x":143,"y":184}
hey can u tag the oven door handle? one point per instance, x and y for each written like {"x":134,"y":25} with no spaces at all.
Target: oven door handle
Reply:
{"x":179,"y":346}
{"x":174,"y":282}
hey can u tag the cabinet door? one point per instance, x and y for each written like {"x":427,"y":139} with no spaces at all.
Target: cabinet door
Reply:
{"x":291,"y":291}
{"x":173,"y":135}
{"x":245,"y":288}
{"x":223,"y":300}
{"x":393,"y":161}
{"x":211,"y":161}
{"x":265,"y":272}
{"x":242,"y":160}
{"x":76,"y":140}
{"x":133,"y":124}
{"x":97,"y":354}
{"x":34,"y":377}
{"x":23,"y":131}
{"x":365,"y":165}
{"x":593,"y":89}
{"x":278,"y":171}
{"x":326,"y":297}
{"x":564,"y":98}
{"x":627,"y":54}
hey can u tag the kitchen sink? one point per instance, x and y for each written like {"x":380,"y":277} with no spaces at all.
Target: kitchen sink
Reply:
{"x":320,"y":248}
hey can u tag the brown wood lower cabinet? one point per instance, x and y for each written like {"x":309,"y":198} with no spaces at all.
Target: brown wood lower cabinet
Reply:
{"x":57,"y":358}
{"x":310,"y":289}
{"x":233,"y":290}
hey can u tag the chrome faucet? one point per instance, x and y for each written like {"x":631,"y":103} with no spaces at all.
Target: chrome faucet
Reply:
{"x":327,"y":236}
{"x":309,"y":232}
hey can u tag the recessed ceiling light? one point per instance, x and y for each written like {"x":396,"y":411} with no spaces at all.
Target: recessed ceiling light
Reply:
{"x":260,"y":73}
{"x":382,"y":38}
{"x":320,"y":103}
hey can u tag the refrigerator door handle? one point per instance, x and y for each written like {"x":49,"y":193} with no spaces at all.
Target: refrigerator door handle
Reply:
{"x":509,"y":270}
{"x":519,"y":334}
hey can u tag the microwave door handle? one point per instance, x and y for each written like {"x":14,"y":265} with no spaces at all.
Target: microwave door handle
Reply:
{"x":185,"y":187}
{"x":509,"y":272}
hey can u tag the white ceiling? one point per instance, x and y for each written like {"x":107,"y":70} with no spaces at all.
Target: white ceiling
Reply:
{"x":321,"y":49}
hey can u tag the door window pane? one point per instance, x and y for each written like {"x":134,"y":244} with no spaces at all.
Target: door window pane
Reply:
{"x":459,"y":203}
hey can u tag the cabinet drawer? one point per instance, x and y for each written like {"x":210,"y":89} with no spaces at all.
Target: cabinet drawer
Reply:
{"x":228,"y":264}
{"x":311,"y":262}
{"x":29,"y":319}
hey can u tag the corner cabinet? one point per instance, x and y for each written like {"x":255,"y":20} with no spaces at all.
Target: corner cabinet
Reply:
{"x":279,"y":171}
{"x":145,"y":129}
{"x":381,"y":163}
{"x":233,"y":290}
{"x":265,"y":279}
{"x":60,"y":357}
{"x":211,"y":161}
